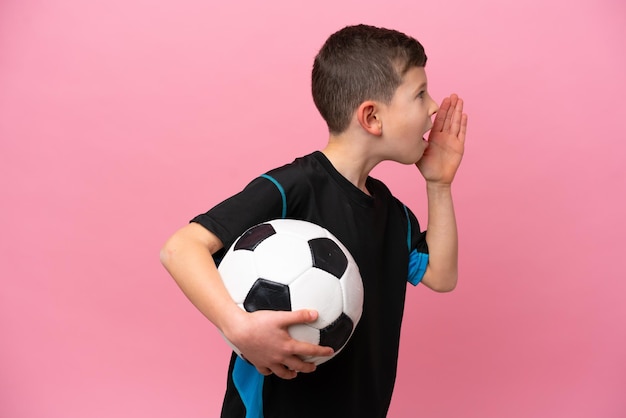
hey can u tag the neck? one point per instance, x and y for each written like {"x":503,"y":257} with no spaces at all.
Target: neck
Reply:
{"x":350,"y":160}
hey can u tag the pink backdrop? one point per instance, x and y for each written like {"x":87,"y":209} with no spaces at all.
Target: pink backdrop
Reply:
{"x":120,"y":120}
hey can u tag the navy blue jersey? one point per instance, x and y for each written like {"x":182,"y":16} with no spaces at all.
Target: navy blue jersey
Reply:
{"x":385,"y":240}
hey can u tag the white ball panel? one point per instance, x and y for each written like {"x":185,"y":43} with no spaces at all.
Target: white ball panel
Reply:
{"x":320,"y":291}
{"x":238,"y":273}
{"x":281,"y":258}
{"x":306,"y":333}
{"x":352,"y":290}
{"x":304,"y":230}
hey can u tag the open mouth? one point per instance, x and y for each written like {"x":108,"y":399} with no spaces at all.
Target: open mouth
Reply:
{"x":426,"y":134}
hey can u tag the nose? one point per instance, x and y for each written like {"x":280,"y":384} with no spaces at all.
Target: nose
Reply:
{"x":434,"y":107}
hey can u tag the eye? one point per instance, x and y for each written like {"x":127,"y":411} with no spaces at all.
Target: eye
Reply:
{"x":421,"y":94}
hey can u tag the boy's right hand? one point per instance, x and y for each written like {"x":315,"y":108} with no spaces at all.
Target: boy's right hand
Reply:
{"x":264,"y":340}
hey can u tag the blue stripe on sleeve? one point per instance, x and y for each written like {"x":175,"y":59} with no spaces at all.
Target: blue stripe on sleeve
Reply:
{"x":417,"y":266}
{"x":281,"y":190}
{"x":417,"y":261}
{"x":408,"y":228}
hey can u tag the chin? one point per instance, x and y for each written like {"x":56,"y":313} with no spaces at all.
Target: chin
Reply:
{"x":416,"y":157}
{"x":410,"y":159}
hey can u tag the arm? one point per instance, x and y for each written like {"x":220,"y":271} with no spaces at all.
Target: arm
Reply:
{"x":261,"y":336}
{"x":441,"y":235}
{"x":439,"y":165}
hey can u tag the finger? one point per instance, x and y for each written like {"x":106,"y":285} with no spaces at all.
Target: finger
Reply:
{"x":298,"y":365}
{"x":304,"y":349}
{"x":283,"y":372}
{"x":463,"y":129}
{"x":301,"y":316}
{"x":264,"y":371}
{"x":448,"y":120}
{"x":457,"y":118}
{"x":440,"y":116}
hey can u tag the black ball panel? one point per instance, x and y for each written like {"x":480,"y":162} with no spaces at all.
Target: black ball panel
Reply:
{"x":267,"y":295}
{"x":250,"y":239}
{"x":328,"y":256}
{"x":337,"y":334}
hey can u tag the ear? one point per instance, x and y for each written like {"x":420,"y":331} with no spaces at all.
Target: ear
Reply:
{"x":368,"y":115}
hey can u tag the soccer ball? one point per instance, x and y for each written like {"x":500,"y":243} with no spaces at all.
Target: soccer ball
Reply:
{"x":288,"y":264}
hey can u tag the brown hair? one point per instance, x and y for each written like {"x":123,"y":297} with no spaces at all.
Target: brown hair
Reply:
{"x":360,"y":63}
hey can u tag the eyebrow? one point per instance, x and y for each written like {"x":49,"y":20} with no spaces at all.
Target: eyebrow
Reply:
{"x":420,"y":87}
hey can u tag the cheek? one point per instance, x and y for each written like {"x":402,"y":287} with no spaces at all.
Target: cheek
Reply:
{"x":420,"y":120}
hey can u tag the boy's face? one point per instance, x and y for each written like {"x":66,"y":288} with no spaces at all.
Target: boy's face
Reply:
{"x":407,"y":118}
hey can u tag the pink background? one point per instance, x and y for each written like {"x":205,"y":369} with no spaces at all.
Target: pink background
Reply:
{"x":120,"y":120}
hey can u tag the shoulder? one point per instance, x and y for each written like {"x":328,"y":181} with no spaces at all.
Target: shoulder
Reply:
{"x":301,"y":174}
{"x":297,"y":165}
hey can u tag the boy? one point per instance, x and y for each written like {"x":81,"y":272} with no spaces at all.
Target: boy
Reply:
{"x":369,"y":85}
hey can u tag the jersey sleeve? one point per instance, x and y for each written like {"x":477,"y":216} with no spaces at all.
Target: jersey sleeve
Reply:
{"x":418,"y":249}
{"x":258,"y":202}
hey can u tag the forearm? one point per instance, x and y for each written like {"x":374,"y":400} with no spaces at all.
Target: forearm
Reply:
{"x":261,"y":336}
{"x":189,"y":261}
{"x":442,"y":238}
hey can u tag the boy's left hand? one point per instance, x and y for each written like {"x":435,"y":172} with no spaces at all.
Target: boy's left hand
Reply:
{"x":446,"y":143}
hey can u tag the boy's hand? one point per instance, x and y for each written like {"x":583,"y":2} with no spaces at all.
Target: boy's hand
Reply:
{"x":264,"y":340}
{"x":446,"y":143}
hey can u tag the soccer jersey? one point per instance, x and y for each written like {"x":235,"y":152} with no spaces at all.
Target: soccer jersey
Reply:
{"x":385,"y":240}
